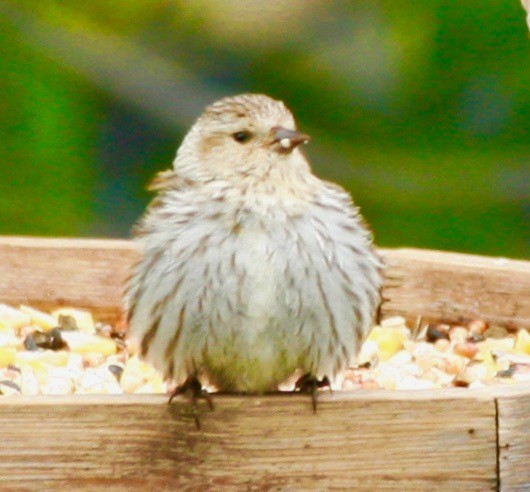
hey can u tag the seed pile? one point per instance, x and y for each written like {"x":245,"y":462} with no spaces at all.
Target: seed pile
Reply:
{"x":439,"y":356}
{"x":65,"y":352}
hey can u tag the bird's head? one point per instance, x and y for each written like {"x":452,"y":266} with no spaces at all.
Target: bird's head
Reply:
{"x":248,"y":135}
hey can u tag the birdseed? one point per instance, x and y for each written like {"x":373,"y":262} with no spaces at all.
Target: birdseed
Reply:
{"x":65,"y":352}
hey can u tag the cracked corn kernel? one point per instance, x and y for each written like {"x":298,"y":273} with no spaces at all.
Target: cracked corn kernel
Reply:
{"x":12,"y":319}
{"x":389,"y":340}
{"x":42,"y":359}
{"x":83,"y":343}
{"x":7,"y":356}
{"x":522,"y":344}
{"x":43,"y":320}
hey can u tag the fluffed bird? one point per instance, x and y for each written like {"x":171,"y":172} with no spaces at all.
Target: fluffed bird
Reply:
{"x":252,"y":268}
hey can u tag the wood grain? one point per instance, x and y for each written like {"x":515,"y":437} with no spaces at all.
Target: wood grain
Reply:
{"x":273,"y":442}
{"x":456,"y":288}
{"x":90,"y":273}
{"x":47,"y":273}
{"x":514,"y":441}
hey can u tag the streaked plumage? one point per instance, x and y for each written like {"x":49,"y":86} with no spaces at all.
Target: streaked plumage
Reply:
{"x":252,"y":267}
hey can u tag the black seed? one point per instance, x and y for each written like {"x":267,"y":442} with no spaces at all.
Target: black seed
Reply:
{"x":116,"y":370}
{"x":434,"y":334}
{"x":35,"y":340}
{"x":56,"y":341}
{"x":49,"y":340}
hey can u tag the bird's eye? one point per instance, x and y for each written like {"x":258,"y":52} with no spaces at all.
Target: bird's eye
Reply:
{"x":242,"y":137}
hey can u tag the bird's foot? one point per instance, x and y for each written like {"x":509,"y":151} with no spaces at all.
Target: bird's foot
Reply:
{"x":310,"y":384}
{"x":193,"y":388}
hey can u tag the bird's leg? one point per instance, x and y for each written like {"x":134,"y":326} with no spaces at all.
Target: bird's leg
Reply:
{"x":310,"y":384}
{"x":193,"y":388}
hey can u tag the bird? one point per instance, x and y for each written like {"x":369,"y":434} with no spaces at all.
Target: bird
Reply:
{"x":252,"y":269}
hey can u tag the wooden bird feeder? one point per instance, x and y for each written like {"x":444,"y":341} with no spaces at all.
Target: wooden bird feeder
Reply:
{"x":445,"y":439}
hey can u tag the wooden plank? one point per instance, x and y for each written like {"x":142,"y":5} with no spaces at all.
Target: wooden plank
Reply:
{"x":251,"y":443}
{"x":47,"y":273}
{"x":90,"y":273}
{"x":514,"y":442}
{"x":456,"y":288}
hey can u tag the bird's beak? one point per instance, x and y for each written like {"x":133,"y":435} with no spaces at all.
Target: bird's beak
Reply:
{"x":288,"y":139}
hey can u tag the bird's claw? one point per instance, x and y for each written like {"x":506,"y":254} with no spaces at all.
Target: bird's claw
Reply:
{"x":310,"y":384}
{"x":193,"y":388}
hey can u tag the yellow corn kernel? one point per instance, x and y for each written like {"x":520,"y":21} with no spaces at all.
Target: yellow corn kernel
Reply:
{"x":389,"y":340}
{"x":496,"y":345}
{"x":41,"y":360}
{"x":7,"y":356}
{"x":522,"y":344}
{"x":484,"y":354}
{"x":39,"y":318}
{"x":7,"y":328}
{"x":138,"y":376}
{"x":83,"y":343}
{"x":11,"y":319}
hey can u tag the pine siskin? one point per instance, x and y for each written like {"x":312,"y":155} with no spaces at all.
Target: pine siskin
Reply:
{"x":252,"y":267}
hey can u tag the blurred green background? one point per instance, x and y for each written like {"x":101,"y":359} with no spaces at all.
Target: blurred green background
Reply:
{"x":420,"y":109}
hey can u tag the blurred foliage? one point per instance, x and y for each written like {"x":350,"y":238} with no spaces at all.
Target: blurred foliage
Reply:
{"x":420,"y":109}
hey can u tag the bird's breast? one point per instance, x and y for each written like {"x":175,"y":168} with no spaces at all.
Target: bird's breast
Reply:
{"x":257,"y":262}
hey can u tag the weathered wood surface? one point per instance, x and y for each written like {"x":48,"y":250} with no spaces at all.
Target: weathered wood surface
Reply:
{"x":91,"y":273}
{"x":249,"y":443}
{"x":46,"y":273}
{"x":514,"y":441}
{"x":456,"y":287}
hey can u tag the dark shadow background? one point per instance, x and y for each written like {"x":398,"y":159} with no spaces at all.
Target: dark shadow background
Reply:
{"x":420,"y":109}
